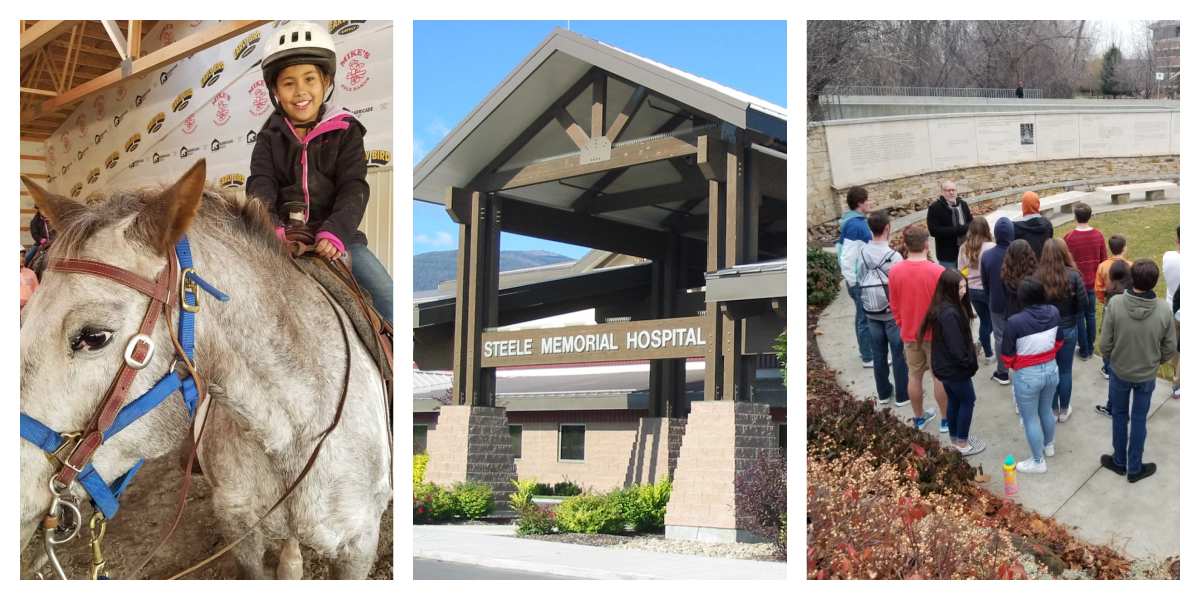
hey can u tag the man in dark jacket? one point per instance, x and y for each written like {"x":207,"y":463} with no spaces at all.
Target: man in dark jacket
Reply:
{"x":989,"y":268}
{"x":947,"y":219}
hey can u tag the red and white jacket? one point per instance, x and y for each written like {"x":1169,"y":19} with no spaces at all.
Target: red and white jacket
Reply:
{"x":1031,"y":337}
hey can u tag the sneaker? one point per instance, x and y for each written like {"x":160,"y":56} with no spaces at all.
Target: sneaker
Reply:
{"x":1175,"y":394}
{"x":1031,"y":466}
{"x":1049,"y":449}
{"x":944,"y":427}
{"x":1103,"y":411}
{"x":1001,"y":378}
{"x":919,"y":422}
{"x":1083,"y":357}
{"x":1104,"y":372}
{"x":1064,"y":415}
{"x":1106,"y":461}
{"x":902,"y":403}
{"x":1148,"y":469}
{"x":868,"y":364}
{"x":972,"y":448}
{"x":883,"y":401}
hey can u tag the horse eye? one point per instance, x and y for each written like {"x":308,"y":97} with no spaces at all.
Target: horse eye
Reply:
{"x":91,"y":339}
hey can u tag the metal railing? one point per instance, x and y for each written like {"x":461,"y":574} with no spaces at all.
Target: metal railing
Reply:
{"x":893,"y":90}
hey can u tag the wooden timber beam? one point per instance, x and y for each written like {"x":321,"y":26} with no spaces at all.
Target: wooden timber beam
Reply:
{"x":532,"y":129}
{"x":627,"y":155}
{"x":42,"y":33}
{"x":599,"y":102}
{"x":118,"y":39}
{"x":772,"y":210}
{"x":659,"y":194}
{"x":627,"y":114}
{"x":135,"y":40}
{"x":185,"y":47}
{"x":38,"y":92}
{"x":586,"y":200}
{"x":572,"y":129}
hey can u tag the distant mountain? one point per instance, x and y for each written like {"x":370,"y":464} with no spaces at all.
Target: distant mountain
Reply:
{"x":432,"y":268}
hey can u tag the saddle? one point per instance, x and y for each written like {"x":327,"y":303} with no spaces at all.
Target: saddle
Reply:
{"x":338,"y":279}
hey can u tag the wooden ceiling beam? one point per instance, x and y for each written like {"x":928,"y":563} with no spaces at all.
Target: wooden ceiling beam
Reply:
{"x":571,"y":128}
{"x":38,"y":92}
{"x":135,"y":39}
{"x":599,"y":102}
{"x":585,"y":200}
{"x":42,"y":33}
{"x":185,"y":47}
{"x":113,"y":29}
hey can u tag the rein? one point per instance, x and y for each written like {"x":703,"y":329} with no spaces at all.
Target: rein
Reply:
{"x":73,"y":451}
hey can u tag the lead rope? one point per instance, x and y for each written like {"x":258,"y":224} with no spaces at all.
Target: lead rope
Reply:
{"x":337,"y":419}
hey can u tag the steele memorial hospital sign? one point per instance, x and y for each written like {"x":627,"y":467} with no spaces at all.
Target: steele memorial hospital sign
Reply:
{"x":634,"y":340}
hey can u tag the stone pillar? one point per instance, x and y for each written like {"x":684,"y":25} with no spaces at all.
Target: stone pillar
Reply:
{"x":722,"y":439}
{"x":655,"y":450}
{"x":471,"y":443}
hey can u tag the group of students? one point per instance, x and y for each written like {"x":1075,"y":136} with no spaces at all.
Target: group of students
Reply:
{"x":1034,"y":296}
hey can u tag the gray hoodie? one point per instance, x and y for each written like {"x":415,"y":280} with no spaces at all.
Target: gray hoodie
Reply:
{"x":1138,"y":336}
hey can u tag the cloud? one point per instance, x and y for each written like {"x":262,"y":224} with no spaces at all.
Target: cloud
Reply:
{"x":439,"y":239}
{"x":437,"y":128}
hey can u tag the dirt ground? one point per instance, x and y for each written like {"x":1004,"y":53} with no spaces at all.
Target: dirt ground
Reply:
{"x":148,"y":507}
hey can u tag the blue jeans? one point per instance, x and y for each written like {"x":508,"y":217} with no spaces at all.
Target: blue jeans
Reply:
{"x":1085,"y":324}
{"x":1034,"y":390}
{"x":373,"y":277}
{"x":885,"y":335}
{"x":1128,"y":444}
{"x":1065,"y":360}
{"x":979,"y":301}
{"x":960,"y":407}
{"x":860,"y":323}
{"x":998,"y":323}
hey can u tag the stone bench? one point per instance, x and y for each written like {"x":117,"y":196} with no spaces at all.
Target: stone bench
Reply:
{"x":1064,"y":202}
{"x":1123,"y":194}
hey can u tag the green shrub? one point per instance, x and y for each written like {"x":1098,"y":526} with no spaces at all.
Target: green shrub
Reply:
{"x":523,"y":497}
{"x":644,"y":507}
{"x":824,"y":277}
{"x":589,"y":513}
{"x":420,"y":461}
{"x":535,"y":520}
{"x":472,"y":500}
{"x":433,"y":504}
{"x":542,"y":489}
{"x":566,"y":488}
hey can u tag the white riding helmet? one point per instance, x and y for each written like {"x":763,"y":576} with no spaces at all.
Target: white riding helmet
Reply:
{"x":298,"y":43}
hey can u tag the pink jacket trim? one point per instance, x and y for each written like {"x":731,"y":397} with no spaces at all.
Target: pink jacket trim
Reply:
{"x":333,"y":239}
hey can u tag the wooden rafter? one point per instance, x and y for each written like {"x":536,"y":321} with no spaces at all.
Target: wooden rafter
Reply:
{"x":599,"y":101}
{"x":135,"y":39}
{"x":42,"y":33}
{"x":626,"y":115}
{"x":586,"y":200}
{"x":72,"y":60}
{"x":628,"y":155}
{"x":572,"y":129}
{"x":113,"y":29}
{"x":532,"y":129}
{"x":166,"y":55}
{"x":25,"y":90}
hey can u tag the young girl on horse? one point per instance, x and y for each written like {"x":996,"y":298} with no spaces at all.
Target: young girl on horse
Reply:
{"x":308,"y":164}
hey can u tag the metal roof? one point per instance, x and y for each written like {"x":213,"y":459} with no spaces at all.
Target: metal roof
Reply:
{"x":548,"y":72}
{"x":747,"y":282}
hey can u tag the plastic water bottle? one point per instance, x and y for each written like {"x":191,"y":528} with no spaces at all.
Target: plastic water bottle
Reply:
{"x":1010,"y":476}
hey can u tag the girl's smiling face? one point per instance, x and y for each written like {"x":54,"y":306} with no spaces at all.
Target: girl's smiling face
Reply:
{"x":301,"y":90}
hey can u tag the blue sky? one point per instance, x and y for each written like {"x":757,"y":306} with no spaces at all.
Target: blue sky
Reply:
{"x":457,"y":63}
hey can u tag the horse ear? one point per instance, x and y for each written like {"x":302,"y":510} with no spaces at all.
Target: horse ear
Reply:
{"x":172,"y":213}
{"x":57,"y":209}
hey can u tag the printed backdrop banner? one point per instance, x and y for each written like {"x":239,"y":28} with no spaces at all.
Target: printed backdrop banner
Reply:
{"x":152,"y":127}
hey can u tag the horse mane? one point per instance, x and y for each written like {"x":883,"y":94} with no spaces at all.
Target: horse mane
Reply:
{"x":220,"y":212}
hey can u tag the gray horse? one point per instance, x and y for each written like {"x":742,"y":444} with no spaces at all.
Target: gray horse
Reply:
{"x":272,"y":357}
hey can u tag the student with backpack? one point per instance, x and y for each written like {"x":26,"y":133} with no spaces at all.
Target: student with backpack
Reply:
{"x":854,"y":235}
{"x":874,"y":266}
{"x":953,"y":356}
{"x":979,"y":240}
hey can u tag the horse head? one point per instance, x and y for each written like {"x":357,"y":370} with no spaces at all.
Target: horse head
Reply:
{"x":77,"y":327}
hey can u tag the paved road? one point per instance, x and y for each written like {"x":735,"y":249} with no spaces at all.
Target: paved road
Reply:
{"x":437,"y":569}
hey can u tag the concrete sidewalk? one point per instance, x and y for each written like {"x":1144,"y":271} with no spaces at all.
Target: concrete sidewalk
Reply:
{"x":1141,"y":519}
{"x":497,"y":546}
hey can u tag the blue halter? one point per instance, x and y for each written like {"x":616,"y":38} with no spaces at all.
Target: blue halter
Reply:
{"x":105,"y":495}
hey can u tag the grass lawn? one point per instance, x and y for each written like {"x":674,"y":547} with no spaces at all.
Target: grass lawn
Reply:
{"x":1149,"y":232}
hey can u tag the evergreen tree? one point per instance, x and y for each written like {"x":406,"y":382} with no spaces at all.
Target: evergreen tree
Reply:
{"x":1109,"y":84}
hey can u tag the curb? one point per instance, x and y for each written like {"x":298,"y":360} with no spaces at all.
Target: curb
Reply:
{"x":527,"y":566}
